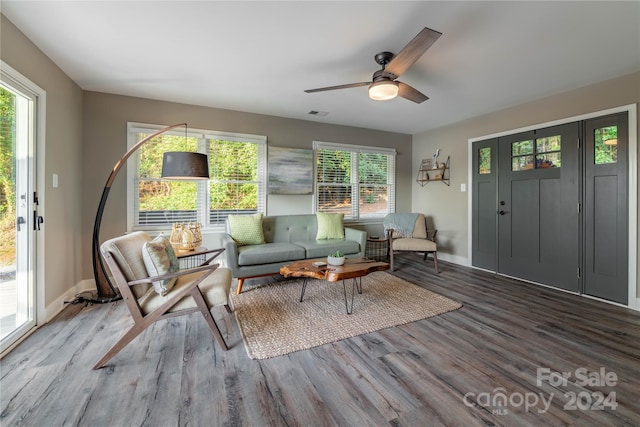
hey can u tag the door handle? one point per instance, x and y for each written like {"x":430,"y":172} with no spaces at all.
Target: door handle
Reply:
{"x":37,"y":220}
{"x":19,"y":221}
{"x":503,"y":212}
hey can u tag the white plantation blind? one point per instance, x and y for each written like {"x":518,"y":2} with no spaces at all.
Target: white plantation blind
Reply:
{"x":358,"y":181}
{"x":237,"y":185}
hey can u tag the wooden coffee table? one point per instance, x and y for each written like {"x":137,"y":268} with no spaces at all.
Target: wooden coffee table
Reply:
{"x":353,"y":268}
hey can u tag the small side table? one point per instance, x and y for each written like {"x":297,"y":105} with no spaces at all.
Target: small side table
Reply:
{"x":197,"y":257}
{"x":377,"y":249}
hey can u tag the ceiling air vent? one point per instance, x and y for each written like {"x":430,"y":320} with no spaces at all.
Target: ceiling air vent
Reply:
{"x":318,"y":113}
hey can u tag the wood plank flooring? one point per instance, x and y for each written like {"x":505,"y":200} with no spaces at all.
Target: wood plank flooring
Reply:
{"x":450,"y":370}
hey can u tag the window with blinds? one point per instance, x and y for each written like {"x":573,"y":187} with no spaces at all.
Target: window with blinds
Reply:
{"x":237,"y":171}
{"x":237,"y":179}
{"x":358,"y":181}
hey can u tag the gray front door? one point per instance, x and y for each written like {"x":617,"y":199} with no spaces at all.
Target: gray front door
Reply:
{"x":606,"y":208}
{"x":484,"y":200}
{"x":538,"y":201}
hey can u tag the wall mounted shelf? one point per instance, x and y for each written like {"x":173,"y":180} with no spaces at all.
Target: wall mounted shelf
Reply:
{"x":427,"y":173}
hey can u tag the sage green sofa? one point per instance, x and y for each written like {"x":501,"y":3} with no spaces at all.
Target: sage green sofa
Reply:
{"x":287,"y":238}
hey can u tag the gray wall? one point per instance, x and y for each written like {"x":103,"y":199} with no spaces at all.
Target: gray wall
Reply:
{"x":105,"y":141}
{"x":448,"y":206}
{"x":62,"y":236}
{"x":86,"y":134}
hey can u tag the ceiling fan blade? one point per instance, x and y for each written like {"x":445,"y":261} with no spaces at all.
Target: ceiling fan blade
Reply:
{"x":407,"y":92}
{"x":411,"y":52}
{"x":347,"y":86}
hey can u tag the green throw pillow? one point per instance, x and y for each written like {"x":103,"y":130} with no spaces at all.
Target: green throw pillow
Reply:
{"x":160,"y":258}
{"x":246,"y":229}
{"x":330,"y":226}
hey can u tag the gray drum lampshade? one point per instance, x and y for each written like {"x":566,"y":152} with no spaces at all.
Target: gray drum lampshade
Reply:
{"x":185,"y":165}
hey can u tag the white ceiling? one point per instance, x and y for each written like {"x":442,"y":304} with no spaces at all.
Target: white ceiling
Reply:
{"x":260,"y":56}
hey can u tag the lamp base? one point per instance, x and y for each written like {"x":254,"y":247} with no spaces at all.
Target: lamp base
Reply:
{"x":93,"y":298}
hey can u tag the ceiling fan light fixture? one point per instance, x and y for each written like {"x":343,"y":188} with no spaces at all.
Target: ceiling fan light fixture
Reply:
{"x":383,"y":90}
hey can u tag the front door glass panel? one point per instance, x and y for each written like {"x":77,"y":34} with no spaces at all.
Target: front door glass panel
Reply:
{"x":606,"y":145}
{"x":540,"y":153}
{"x":484,"y":161}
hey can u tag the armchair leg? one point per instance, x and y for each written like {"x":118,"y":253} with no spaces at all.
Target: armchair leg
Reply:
{"x":211,"y":323}
{"x":122,"y":342}
{"x":391,"y":260}
{"x":240,"y":283}
{"x":435,"y":261}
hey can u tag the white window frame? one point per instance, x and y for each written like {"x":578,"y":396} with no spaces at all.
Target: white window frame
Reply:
{"x":203,"y":135}
{"x":355,"y":177}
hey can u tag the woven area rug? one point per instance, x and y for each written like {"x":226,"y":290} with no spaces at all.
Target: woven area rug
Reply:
{"x":274,"y":322}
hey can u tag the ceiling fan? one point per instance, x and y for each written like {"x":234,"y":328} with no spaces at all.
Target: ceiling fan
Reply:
{"x":384,"y":84}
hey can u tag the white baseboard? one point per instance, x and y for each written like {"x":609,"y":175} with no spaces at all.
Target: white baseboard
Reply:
{"x":86,"y":285}
{"x":454,"y":259}
{"x":58,"y":304}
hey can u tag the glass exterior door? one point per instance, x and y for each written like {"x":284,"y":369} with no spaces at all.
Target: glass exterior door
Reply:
{"x":17,"y":289}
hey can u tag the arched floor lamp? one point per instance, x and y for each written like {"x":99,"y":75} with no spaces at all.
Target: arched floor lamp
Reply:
{"x":176,"y":166}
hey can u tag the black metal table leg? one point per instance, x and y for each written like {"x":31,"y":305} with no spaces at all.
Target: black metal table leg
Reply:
{"x":304,"y":287}
{"x":354,"y":284}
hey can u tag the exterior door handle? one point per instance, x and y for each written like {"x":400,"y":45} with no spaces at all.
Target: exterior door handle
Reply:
{"x":37,"y":220}
{"x":20,"y":220}
{"x":502,"y":212}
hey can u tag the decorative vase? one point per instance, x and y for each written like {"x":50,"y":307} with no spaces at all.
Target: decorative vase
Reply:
{"x":331,"y":260}
{"x":186,"y":236}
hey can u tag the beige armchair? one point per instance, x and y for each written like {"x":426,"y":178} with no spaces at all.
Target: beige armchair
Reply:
{"x":196,"y":289}
{"x":417,"y":240}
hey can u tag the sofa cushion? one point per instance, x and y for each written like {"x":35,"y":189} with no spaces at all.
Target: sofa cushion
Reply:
{"x":214,"y":288}
{"x":420,"y":230}
{"x":415,"y":245}
{"x":269,"y":253}
{"x":330,"y":226}
{"x":290,"y":228}
{"x":322,"y":248}
{"x":126,"y":250}
{"x":246,"y":229}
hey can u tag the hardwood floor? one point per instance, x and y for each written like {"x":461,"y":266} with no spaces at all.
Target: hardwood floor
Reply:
{"x":447,"y":370}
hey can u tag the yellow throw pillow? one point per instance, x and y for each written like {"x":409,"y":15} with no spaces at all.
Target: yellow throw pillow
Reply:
{"x":330,"y":226}
{"x":246,"y":229}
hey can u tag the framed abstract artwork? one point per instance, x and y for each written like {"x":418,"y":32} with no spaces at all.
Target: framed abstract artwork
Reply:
{"x":290,"y":171}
